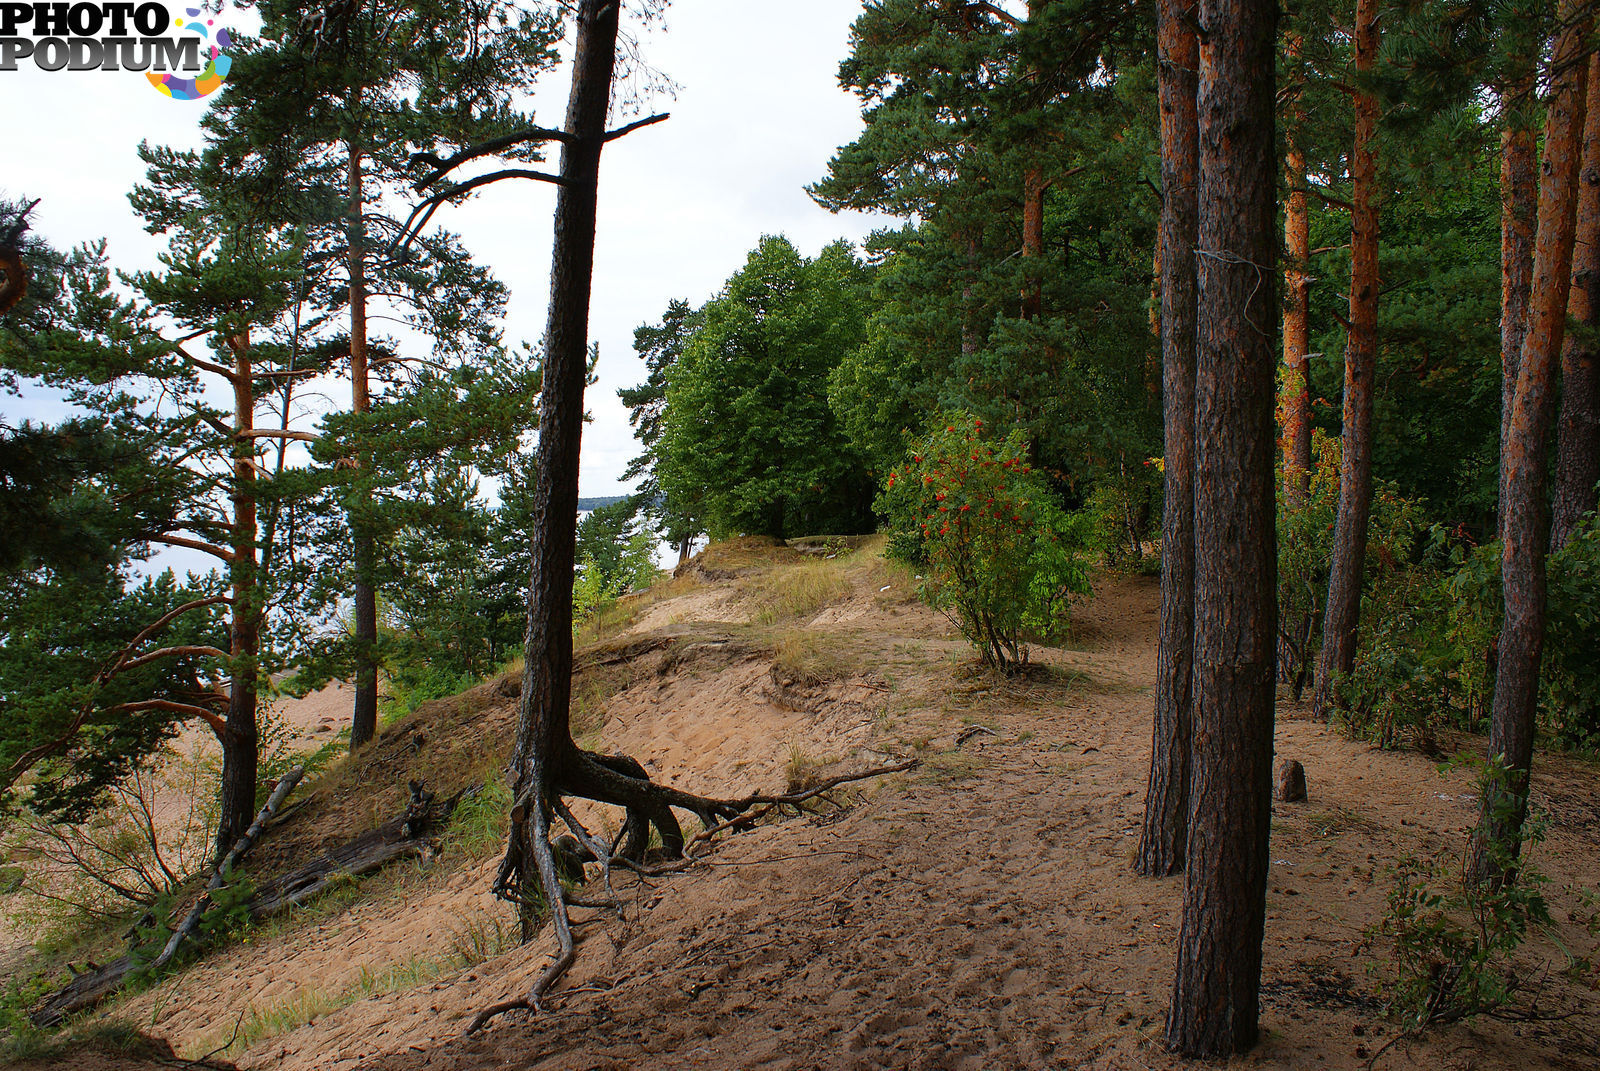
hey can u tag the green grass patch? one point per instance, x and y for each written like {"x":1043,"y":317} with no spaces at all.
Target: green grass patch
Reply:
{"x":798,"y":591}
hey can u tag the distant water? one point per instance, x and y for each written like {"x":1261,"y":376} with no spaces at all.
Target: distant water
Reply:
{"x":666,"y":554}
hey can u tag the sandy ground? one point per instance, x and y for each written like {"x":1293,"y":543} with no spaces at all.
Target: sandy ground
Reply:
{"x":979,"y":912}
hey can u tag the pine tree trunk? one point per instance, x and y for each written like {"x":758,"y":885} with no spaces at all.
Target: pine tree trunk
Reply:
{"x":1166,"y":806}
{"x":1033,"y":190}
{"x":1519,"y":191}
{"x":1296,"y":400}
{"x":1342,"y":616}
{"x":1523,"y":462}
{"x":364,"y":719}
{"x":239,"y":737}
{"x":1578,"y":428}
{"x":544,"y":739}
{"x":1215,"y":996}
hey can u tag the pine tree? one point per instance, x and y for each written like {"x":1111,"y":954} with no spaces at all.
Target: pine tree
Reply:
{"x":1578,"y":427}
{"x":1360,"y":367}
{"x":661,"y":345}
{"x":1525,"y":526}
{"x":327,"y":115}
{"x":1215,"y":997}
{"x":1166,"y":808}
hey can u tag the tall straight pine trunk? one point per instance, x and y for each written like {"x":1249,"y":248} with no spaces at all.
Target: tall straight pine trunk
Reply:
{"x":1295,"y":403}
{"x":1166,"y":805}
{"x":1578,"y":427}
{"x":1525,"y":525}
{"x":1519,"y":194}
{"x":1216,"y":990}
{"x":364,"y":718}
{"x":239,"y":737}
{"x":1342,"y":617}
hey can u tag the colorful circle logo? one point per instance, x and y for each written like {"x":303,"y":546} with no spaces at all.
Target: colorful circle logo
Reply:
{"x":210,"y":79}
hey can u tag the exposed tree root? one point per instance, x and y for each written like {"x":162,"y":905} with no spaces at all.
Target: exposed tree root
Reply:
{"x":619,"y":780}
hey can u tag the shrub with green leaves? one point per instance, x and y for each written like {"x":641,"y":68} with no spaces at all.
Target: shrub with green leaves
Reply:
{"x":1305,"y":544}
{"x":1429,"y":631}
{"x":1449,"y":940}
{"x":997,"y":555}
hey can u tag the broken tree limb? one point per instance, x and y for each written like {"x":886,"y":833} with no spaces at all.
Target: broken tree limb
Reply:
{"x":396,"y":839}
{"x":191,"y":921}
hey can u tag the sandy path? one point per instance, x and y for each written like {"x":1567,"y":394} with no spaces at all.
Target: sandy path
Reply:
{"x":981,"y":915}
{"x":979,"y":912}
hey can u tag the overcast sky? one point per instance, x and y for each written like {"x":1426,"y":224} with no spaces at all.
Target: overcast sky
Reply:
{"x":758,"y":116}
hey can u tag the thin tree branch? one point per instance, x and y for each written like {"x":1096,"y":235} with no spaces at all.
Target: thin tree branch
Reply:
{"x":280,"y":433}
{"x":624,"y":131}
{"x":172,"y":706}
{"x":441,"y":168}
{"x":194,"y":544}
{"x":172,"y":652}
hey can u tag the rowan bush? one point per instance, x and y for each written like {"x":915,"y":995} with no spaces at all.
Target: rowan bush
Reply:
{"x":994,"y":552}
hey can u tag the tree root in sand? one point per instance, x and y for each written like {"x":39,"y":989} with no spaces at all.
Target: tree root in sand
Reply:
{"x":620,"y":780}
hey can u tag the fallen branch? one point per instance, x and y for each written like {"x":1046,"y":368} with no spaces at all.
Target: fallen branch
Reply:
{"x":396,"y":839}
{"x":191,"y":921}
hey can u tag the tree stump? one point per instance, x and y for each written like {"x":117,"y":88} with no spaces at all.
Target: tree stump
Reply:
{"x":1289,"y":784}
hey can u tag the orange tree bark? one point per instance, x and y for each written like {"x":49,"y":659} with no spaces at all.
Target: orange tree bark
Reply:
{"x":1519,"y":191}
{"x":1342,"y":616}
{"x":1295,"y":404}
{"x":1033,"y":191}
{"x":1216,"y":991}
{"x":1166,"y":806}
{"x":1578,"y":427}
{"x":1524,"y":527}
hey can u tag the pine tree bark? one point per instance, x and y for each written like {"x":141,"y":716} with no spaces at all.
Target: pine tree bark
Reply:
{"x":364,"y":717}
{"x":1216,"y":991}
{"x":1525,"y":525}
{"x":1519,"y":192}
{"x":1166,"y":805}
{"x":1578,"y":427}
{"x":239,"y":736}
{"x":1342,"y":616}
{"x":1295,"y":413}
{"x":1033,"y":191}
{"x":544,"y":740}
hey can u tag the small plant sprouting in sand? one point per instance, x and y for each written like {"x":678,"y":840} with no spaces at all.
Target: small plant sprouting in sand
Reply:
{"x":801,"y":771}
{"x":1453,"y":942}
{"x":478,"y":824}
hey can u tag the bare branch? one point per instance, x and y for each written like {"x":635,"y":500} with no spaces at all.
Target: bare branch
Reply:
{"x":209,"y":366}
{"x":172,"y":706}
{"x":280,"y":433}
{"x":194,"y":544}
{"x":441,"y":168}
{"x":172,"y":652}
{"x":622,"y":132}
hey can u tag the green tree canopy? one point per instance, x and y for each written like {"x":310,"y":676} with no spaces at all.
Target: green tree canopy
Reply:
{"x":747,"y":429}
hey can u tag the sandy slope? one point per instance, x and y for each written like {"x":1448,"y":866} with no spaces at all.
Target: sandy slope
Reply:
{"x":979,"y":912}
